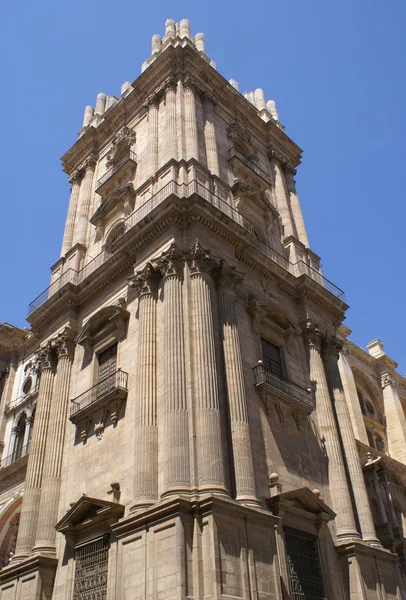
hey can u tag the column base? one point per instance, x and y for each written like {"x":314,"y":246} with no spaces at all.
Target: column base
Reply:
{"x":141,"y":505}
{"x":249,"y":501}
{"x":41,"y":547}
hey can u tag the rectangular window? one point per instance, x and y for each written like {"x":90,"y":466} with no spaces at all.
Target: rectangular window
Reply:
{"x":107,"y":370}
{"x":271,"y":357}
{"x":304,"y":568}
{"x":91,"y":563}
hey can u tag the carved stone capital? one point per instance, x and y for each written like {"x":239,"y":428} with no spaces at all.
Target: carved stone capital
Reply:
{"x":145,"y":282}
{"x":64,"y":344}
{"x":200,"y":261}
{"x":189,"y":85}
{"x":313,"y":335}
{"x":388,"y":379}
{"x":171,"y":262}
{"x":75,"y":177}
{"x":331,"y":347}
{"x":227,"y":278}
{"x":45,"y":359}
{"x":89,"y":163}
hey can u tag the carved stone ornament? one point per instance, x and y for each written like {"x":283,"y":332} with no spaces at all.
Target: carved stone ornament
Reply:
{"x":64,"y":344}
{"x":226,"y":277}
{"x":200,"y":260}
{"x":44,"y":358}
{"x":171,"y":262}
{"x":313,"y":334}
{"x":241,"y":140}
{"x":331,"y":347}
{"x":145,"y":281}
{"x":387,"y":379}
{"x":124,"y":137}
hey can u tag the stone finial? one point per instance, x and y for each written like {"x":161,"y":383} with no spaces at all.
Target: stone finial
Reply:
{"x":376,"y":348}
{"x":170,"y":29}
{"x":199,"y":42}
{"x":234,"y":84}
{"x":316,"y":492}
{"x":100,"y":104}
{"x":271,"y":106}
{"x":259,"y":99}
{"x":125,"y":88}
{"x":88,"y":116}
{"x":156,"y":43}
{"x":275,"y":487}
{"x":184,"y":28}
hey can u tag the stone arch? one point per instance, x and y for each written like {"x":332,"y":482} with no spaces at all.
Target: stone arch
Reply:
{"x":370,"y":388}
{"x":9,"y":522}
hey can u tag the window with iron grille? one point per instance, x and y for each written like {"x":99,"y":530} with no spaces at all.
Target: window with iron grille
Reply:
{"x":304,"y":568}
{"x":271,"y":357}
{"x":91,"y":563}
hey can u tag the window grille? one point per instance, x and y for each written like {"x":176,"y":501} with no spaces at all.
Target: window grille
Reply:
{"x":91,"y":562}
{"x":107,"y":366}
{"x":304,"y":568}
{"x":271,"y":357}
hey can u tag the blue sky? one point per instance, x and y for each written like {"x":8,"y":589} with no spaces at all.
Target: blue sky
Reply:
{"x":335,"y":69}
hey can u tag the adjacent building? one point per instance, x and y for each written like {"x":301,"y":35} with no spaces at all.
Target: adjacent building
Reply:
{"x":185,"y":417}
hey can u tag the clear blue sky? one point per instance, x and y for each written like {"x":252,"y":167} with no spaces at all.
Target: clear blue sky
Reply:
{"x":335,"y":69}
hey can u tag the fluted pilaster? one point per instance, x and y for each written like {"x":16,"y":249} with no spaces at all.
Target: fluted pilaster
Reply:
{"x":51,"y":483}
{"x":177,"y":464}
{"x":85,"y":195}
{"x":35,"y":467}
{"x":192,"y":146}
{"x":210,"y":137}
{"x":171,"y":138}
{"x":210,"y":462}
{"x":296,"y":208}
{"x":395,"y":416}
{"x":146,"y":427}
{"x":331,"y":350}
{"x":282,"y":200}
{"x":227,"y":280}
{"x":71,"y":218}
{"x":324,"y":415}
{"x":153,"y":136}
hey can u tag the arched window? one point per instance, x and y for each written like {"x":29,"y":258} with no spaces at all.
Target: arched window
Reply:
{"x":19,"y":433}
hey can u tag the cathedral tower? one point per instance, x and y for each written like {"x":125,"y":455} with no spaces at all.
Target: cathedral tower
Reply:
{"x":193,"y":436}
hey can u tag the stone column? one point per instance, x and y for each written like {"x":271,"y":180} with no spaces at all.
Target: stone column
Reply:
{"x":227,"y":279}
{"x":384,"y":481}
{"x":331,"y":351}
{"x":209,"y":446}
{"x":325,"y":420}
{"x":395,"y":417}
{"x":176,"y":418}
{"x":351,"y":396}
{"x":371,"y":474}
{"x":71,"y":218}
{"x":192,"y":145}
{"x":210,"y":137}
{"x":153,"y":136}
{"x":171,"y":137}
{"x":35,"y":467}
{"x":146,"y":427}
{"x":85,"y":195}
{"x":51,"y":482}
{"x":295,"y":207}
{"x":6,"y":398}
{"x":282,"y":200}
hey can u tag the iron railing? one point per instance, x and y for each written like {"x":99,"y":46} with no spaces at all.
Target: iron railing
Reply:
{"x":16,"y":455}
{"x":22,"y":398}
{"x":70,"y":276}
{"x":233,"y":152}
{"x":264,"y":375}
{"x":185,"y":191}
{"x":116,"y":381}
{"x":130,"y":157}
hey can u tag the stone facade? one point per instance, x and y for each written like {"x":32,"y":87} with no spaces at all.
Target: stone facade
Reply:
{"x":186,"y":417}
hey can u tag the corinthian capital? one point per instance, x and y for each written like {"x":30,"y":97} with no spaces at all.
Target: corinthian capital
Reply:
{"x":331,"y":347}
{"x":75,"y":177}
{"x":388,"y":379}
{"x":45,"y":359}
{"x":200,"y":261}
{"x":171,"y":262}
{"x":313,"y":335}
{"x":63,"y":344}
{"x":145,"y":281}
{"x":226,"y":277}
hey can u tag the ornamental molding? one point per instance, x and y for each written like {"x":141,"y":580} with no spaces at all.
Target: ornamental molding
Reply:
{"x":171,"y":262}
{"x":145,"y":282}
{"x":200,"y":261}
{"x":388,"y":379}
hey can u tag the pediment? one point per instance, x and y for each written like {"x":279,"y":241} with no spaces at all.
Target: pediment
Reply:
{"x":87,"y":511}
{"x":303,"y":500}
{"x":269,"y":315}
{"x":123,"y":197}
{"x":110,"y":319}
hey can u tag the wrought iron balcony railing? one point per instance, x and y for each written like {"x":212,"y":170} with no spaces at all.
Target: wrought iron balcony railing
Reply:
{"x":185,"y":191}
{"x":117,"y":382}
{"x":12,"y":458}
{"x":130,"y":158}
{"x":265,"y":377}
{"x":15,"y":403}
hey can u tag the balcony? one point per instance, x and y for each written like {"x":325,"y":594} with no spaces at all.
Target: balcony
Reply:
{"x":13,"y":404}
{"x":108,"y":181}
{"x":286,"y":391}
{"x":101,"y":401}
{"x":15,"y":456}
{"x":172,"y":188}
